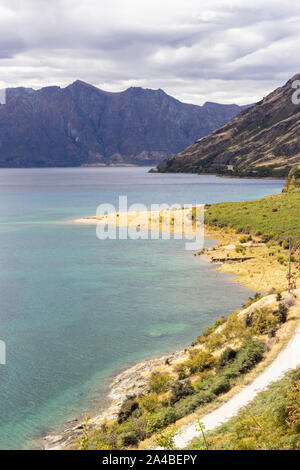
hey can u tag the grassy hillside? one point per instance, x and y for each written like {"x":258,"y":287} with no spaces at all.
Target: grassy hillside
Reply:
{"x":270,"y":422}
{"x":273,"y":216}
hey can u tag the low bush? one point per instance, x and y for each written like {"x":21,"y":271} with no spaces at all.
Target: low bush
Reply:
{"x":182,"y":372}
{"x":252,"y":300}
{"x":226,"y":357}
{"x":245,"y":239}
{"x":189,"y":404}
{"x":250,"y":354}
{"x":199,"y":361}
{"x":214,"y":341}
{"x":210,"y":329}
{"x":159,"y":382}
{"x":127,"y":408}
{"x":221,"y":385}
{"x":179,"y":389}
{"x":148,"y":402}
{"x":129,"y":439}
{"x":262,"y":320}
{"x":281,"y":313}
{"x":162,"y":418}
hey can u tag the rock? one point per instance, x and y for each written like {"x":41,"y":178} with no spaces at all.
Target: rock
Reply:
{"x":72,"y":420}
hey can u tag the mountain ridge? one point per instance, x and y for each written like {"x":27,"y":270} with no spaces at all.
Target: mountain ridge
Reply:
{"x":261,"y":141}
{"x":81,"y":124}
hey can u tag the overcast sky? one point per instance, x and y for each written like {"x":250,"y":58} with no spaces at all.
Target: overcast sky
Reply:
{"x":196,"y":50}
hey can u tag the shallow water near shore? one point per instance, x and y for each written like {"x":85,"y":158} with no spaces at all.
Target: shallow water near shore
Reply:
{"x":74,"y":310}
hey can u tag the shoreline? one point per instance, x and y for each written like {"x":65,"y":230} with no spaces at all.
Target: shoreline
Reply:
{"x":252,"y":267}
{"x":219,"y":175}
{"x":134,"y":377}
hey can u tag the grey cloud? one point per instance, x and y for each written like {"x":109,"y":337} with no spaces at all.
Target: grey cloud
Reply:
{"x":215,"y":50}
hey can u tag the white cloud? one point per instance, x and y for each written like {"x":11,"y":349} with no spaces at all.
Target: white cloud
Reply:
{"x":227,"y":51}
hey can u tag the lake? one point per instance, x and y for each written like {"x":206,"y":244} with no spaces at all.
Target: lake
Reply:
{"x":74,"y":310}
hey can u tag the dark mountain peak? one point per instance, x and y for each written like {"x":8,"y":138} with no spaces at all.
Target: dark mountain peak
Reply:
{"x":20,"y":93}
{"x":212,"y":104}
{"x":140,"y":91}
{"x":81,"y":124}
{"x":262,"y":140}
{"x":80,"y":83}
{"x":295,"y":77}
{"x":82,"y":86}
{"x":48,"y":90}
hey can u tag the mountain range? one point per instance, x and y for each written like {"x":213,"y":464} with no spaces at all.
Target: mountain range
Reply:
{"x":262,"y":141}
{"x":83,"y":125}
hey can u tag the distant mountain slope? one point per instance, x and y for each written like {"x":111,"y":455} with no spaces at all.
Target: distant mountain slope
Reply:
{"x":81,"y":124}
{"x":263,"y":140}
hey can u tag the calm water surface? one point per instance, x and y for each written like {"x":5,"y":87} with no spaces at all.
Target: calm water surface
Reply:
{"x":73,"y":309}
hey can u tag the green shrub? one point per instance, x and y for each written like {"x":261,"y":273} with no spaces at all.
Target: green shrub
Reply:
{"x":199,"y":361}
{"x":159,"y":382}
{"x":127,"y":408}
{"x":204,"y":383}
{"x":245,"y":239}
{"x":189,"y":404}
{"x":282,"y":313}
{"x":148,"y":402}
{"x":129,"y":439}
{"x":214,"y":341}
{"x":181,"y":371}
{"x":163,"y":418}
{"x":250,"y":354}
{"x":281,"y":259}
{"x":227,"y":356}
{"x":252,"y":300}
{"x":285,"y":244}
{"x":179,"y":389}
{"x":262,"y":320}
{"x":221,"y":385}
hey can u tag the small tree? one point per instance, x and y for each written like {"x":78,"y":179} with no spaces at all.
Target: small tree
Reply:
{"x":200,"y":428}
{"x":166,"y":438}
{"x":282,"y":312}
{"x":159,"y":382}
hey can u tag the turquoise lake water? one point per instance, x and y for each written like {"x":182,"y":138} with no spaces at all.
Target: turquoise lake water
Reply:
{"x":74,"y":310}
